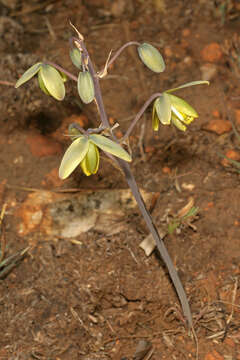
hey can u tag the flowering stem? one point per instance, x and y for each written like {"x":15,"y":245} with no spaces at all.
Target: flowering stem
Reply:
{"x":139,"y":114}
{"x":120,"y":50}
{"x":131,"y":180}
{"x":159,"y":242}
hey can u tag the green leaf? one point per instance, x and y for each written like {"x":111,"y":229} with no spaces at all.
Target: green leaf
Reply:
{"x":182,"y":106}
{"x":110,"y":146}
{"x":76,"y":57}
{"x":163,"y":108}
{"x":73,"y":156}
{"x":28,"y":74}
{"x":173,"y":226}
{"x":151,"y":57}
{"x":85,"y":87}
{"x":192,"y":83}
{"x":53,"y":81}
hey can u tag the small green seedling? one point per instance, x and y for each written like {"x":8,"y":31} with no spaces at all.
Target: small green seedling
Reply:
{"x":184,"y":220}
{"x":87,"y":144}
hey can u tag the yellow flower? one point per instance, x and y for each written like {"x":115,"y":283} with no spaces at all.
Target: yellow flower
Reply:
{"x":169,"y":108}
{"x":84,"y":152}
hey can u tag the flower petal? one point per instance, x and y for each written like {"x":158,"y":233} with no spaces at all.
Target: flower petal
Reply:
{"x":192,"y":83}
{"x":110,"y":146}
{"x":163,"y":108}
{"x":90,"y":163}
{"x":178,"y":123}
{"x":41,"y":84}
{"x":92,"y":158}
{"x":53,"y":81}
{"x":155,"y":120}
{"x":28,"y":74}
{"x":182,"y":106}
{"x":73,"y":156}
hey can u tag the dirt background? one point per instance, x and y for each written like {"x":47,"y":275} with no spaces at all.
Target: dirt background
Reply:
{"x":74,"y":282}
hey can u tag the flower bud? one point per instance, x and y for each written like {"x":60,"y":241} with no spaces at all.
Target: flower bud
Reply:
{"x":151,"y":57}
{"x":85,"y":87}
{"x":76,"y":57}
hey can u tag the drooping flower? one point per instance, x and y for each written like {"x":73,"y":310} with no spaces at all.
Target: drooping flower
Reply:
{"x":169,"y":108}
{"x":84,"y":152}
{"x":51,"y":81}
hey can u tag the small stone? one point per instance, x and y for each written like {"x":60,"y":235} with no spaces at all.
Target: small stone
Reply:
{"x":208,"y":71}
{"x":186,"y":32}
{"x":41,"y":146}
{"x":213,"y":355}
{"x":216,"y":113}
{"x":218,"y":126}
{"x":212,"y":53}
{"x":237,"y":116}
{"x":168,"y":51}
{"x":166,"y":170}
{"x":118,"y":8}
{"x":231,"y":154}
{"x":188,"y":60}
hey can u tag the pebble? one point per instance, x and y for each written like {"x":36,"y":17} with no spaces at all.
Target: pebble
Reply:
{"x":208,"y":71}
{"x":213,"y":355}
{"x":218,"y":126}
{"x":231,"y":154}
{"x":212,"y":53}
{"x":237,"y":116}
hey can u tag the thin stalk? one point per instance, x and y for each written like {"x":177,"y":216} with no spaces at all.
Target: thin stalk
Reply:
{"x":118,"y":52}
{"x":159,"y":242}
{"x":139,"y":114}
{"x":131,"y":180}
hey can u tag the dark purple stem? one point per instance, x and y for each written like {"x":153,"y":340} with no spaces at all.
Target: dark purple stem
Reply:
{"x":139,"y":114}
{"x":130,"y":43}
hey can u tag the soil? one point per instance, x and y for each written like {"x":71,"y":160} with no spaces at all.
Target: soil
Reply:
{"x":91,"y":292}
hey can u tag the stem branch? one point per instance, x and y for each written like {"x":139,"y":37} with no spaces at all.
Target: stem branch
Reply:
{"x":139,"y":114}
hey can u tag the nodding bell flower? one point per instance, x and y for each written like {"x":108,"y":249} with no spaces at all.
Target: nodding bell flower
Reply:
{"x":169,"y":108}
{"x":50,"y":80}
{"x":84,"y":152}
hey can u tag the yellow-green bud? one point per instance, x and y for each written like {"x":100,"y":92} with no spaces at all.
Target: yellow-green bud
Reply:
{"x":85,"y":87}
{"x":151,"y":57}
{"x":90,"y":163}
